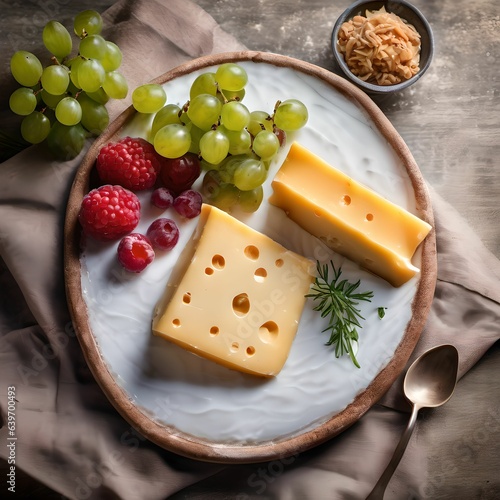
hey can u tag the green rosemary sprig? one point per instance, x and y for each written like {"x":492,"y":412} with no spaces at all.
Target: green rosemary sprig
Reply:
{"x":338,"y":300}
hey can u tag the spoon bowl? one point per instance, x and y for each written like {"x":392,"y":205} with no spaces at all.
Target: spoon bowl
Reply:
{"x":429,"y":383}
{"x":431,"y":379}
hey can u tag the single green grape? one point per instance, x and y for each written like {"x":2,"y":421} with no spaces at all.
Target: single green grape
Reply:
{"x":26,"y":68}
{"x":259,"y":120}
{"x":214,"y":146}
{"x":249,"y":201}
{"x":73,"y":65}
{"x":231,"y":76}
{"x":266,"y":144}
{"x":57,"y":39}
{"x":95,"y":117}
{"x":196,"y":135}
{"x":35,"y":127}
{"x":112,"y":58}
{"x":23,"y":101}
{"x":115,"y":85}
{"x":66,"y":142}
{"x":291,"y":115}
{"x":99,"y":96}
{"x":235,"y":115}
{"x":203,"y":84}
{"x":167,"y":115}
{"x":55,"y":79}
{"x":225,"y":197}
{"x":211,"y":183}
{"x":172,"y":141}
{"x":149,"y":98}
{"x":229,"y":166}
{"x":69,"y":111}
{"x":250,"y":174}
{"x":87,"y":22}
{"x":51,"y":100}
{"x":93,"y":47}
{"x":90,"y":75}
{"x":204,"y":111}
{"x":240,"y":141}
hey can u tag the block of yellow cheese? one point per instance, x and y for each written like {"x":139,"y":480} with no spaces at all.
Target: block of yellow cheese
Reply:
{"x":235,"y":296}
{"x":351,"y":219}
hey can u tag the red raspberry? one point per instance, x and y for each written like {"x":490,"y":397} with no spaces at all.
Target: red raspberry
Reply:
{"x":109,"y":212}
{"x":131,"y":163}
{"x":135,"y":252}
{"x":163,"y":234}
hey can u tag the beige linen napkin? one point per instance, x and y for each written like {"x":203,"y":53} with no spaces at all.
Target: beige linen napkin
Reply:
{"x":71,"y":438}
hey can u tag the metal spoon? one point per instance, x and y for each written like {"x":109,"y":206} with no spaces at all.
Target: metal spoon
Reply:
{"x":429,"y":382}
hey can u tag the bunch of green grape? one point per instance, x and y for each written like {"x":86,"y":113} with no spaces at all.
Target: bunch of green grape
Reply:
{"x":235,"y":145}
{"x":64,"y":101}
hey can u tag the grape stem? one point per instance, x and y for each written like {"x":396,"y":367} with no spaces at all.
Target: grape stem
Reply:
{"x":183,"y":109}
{"x":226,"y":100}
{"x":271,"y":118}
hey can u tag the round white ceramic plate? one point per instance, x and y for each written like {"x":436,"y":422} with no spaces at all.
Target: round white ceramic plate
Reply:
{"x":203,"y":410}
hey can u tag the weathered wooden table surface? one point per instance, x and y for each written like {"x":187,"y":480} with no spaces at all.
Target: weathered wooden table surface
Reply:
{"x":451,"y":123}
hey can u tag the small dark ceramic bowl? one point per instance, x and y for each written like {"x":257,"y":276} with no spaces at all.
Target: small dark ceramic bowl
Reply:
{"x":405,"y":11}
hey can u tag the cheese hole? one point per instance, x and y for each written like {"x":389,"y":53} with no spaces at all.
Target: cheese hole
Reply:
{"x":279,"y":262}
{"x":250,"y":350}
{"x":268,"y":332}
{"x":235,"y":346}
{"x":241,"y":304}
{"x":218,"y":261}
{"x":209,"y":271}
{"x":369,"y":217}
{"x":186,"y":298}
{"x":346,"y":200}
{"x":260,"y":274}
{"x":317,"y":213}
{"x":176,"y":322}
{"x":333,"y":242}
{"x":252,"y":252}
{"x":214,"y":330}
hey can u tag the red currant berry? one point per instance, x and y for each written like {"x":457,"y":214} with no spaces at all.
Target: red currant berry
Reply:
{"x":163,"y":234}
{"x":188,"y":203}
{"x":162,"y":198}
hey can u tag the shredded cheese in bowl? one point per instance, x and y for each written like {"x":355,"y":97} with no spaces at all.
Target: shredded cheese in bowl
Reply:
{"x":380,"y":48}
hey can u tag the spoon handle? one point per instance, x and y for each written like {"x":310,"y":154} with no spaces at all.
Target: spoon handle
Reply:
{"x":378,"y":491}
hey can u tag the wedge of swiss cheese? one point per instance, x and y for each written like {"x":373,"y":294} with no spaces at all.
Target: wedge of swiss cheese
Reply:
{"x":349,"y":218}
{"x":235,"y":296}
